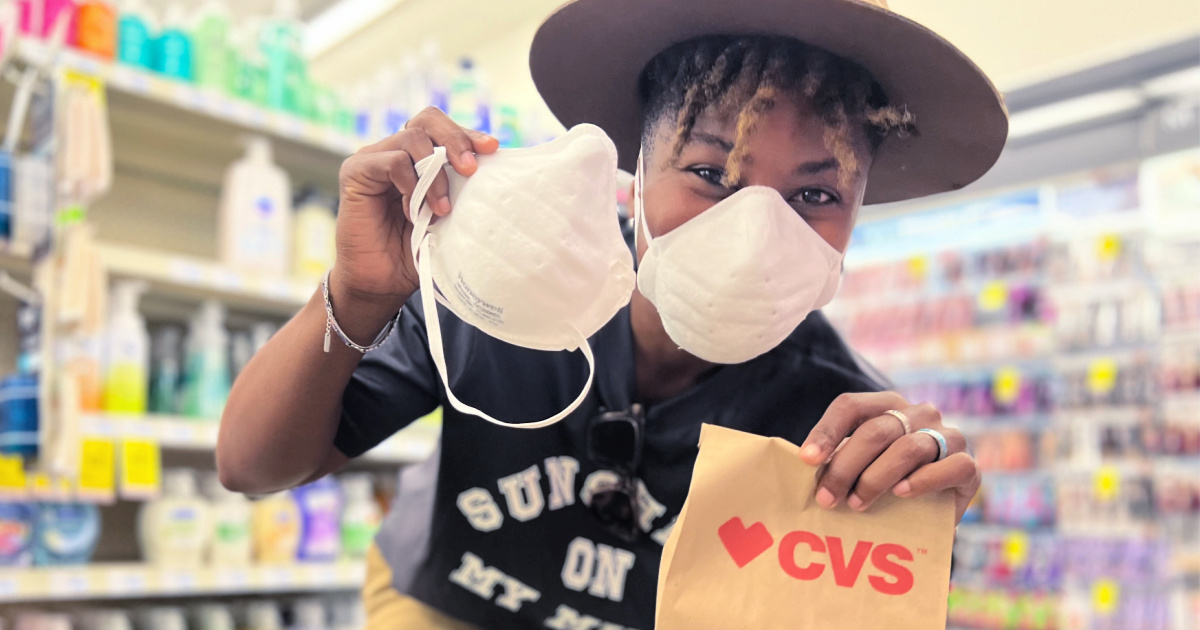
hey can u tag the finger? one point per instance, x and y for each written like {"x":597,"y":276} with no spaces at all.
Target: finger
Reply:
{"x":375,"y":174}
{"x":865,"y":445}
{"x":956,"y":470}
{"x":846,"y":414}
{"x":460,"y":150}
{"x":419,"y":146}
{"x":483,"y":143}
{"x":904,"y":456}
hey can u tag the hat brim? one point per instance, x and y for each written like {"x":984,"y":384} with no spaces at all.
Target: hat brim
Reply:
{"x":588,"y":56}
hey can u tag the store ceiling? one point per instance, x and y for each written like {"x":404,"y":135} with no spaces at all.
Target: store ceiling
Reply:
{"x":308,"y":8}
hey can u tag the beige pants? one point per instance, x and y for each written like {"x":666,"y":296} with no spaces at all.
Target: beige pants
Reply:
{"x":389,"y":609}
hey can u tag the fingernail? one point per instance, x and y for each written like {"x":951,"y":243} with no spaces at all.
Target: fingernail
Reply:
{"x":825,"y":499}
{"x":855,"y":503}
{"x":811,"y":453}
{"x":903,"y":489}
{"x":468,"y":159}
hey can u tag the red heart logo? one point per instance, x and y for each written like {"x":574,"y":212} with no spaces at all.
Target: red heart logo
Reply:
{"x":744,"y":544}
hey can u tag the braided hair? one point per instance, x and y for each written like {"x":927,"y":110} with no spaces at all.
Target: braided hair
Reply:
{"x":748,"y":75}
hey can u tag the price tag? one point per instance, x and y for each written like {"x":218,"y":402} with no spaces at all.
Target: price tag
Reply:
{"x":126,"y":582}
{"x":1102,"y":376}
{"x":97,"y":469}
{"x":1006,"y":385}
{"x":9,"y":587}
{"x":994,"y":296}
{"x":141,"y":468}
{"x":1108,"y":247}
{"x":276,"y":577}
{"x":180,"y":581}
{"x":185,"y":272}
{"x":47,"y":488}
{"x":1106,"y":594}
{"x":236,"y":579}
{"x":228,"y":280}
{"x":1107,"y":483}
{"x":69,"y":583}
{"x":13,"y":482}
{"x":1016,"y":549}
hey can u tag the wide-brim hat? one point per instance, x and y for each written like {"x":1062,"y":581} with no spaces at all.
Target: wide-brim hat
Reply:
{"x":587,"y":59}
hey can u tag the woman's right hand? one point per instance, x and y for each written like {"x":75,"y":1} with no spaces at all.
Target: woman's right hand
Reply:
{"x":374,"y":258}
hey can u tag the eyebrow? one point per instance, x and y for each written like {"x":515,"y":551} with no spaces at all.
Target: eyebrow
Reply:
{"x":807,"y":168}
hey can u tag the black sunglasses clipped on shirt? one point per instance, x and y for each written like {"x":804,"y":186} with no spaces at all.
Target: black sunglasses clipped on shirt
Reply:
{"x":615,"y":443}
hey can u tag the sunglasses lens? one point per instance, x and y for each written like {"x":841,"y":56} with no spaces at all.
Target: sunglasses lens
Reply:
{"x":614,"y":508}
{"x":614,"y":443}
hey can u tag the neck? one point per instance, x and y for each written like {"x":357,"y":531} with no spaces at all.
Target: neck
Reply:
{"x":663,"y":369}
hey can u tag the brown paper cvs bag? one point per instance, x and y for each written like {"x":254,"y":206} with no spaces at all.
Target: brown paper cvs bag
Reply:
{"x":752,"y":549}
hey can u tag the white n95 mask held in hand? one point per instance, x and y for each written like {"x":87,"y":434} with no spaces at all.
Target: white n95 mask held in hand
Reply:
{"x":733,"y":282}
{"x":531,"y":252}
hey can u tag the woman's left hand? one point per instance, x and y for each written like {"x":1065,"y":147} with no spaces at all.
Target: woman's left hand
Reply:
{"x":880,"y":457}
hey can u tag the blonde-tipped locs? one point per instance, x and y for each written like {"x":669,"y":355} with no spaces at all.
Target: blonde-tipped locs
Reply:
{"x":744,"y":77}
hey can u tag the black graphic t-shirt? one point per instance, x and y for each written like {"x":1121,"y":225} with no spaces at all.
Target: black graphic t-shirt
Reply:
{"x":494,"y":529}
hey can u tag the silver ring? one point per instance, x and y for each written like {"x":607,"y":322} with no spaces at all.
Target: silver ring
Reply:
{"x":943,"y":448}
{"x":899,"y":415}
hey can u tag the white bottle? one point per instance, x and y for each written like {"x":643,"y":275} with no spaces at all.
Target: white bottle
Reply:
{"x":232,"y":544}
{"x":256,"y":213}
{"x":212,"y":617}
{"x":176,"y":529}
{"x":263,"y":615}
{"x":127,"y":352}
{"x":361,"y":515}
{"x":315,"y":247}
{"x":206,"y":382}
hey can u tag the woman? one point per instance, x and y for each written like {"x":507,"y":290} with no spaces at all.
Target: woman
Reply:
{"x":823,"y":103}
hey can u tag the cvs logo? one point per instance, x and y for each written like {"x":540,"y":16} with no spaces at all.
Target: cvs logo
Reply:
{"x":744,"y":544}
{"x":885,"y":558}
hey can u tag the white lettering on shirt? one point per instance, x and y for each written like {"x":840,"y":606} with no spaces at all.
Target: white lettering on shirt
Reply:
{"x":561,"y":471}
{"x":577,"y":569}
{"x":649,"y":509}
{"x":663,"y":534}
{"x":599,"y":568}
{"x":567,"y":618}
{"x":523,"y":493}
{"x":474,"y":576}
{"x":480,"y":509}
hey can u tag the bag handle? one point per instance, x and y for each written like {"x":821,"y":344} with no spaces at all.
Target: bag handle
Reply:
{"x":427,"y":172}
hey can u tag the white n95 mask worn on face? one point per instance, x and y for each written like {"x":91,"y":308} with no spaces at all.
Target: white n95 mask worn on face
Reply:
{"x":531,"y":253}
{"x":735,"y":281}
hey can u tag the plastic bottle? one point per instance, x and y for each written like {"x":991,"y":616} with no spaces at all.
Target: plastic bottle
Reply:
{"x":135,"y":34}
{"x":280,"y":41}
{"x":162,"y":618}
{"x":127,"y":352}
{"x":255,"y":223}
{"x":212,"y":617}
{"x":37,"y":17}
{"x":19,"y":415}
{"x":249,"y":70}
{"x":263,"y":615}
{"x":320,"y":505}
{"x":65,"y":533}
{"x":435,"y":79}
{"x":260,"y":334}
{"x":211,"y":36}
{"x":176,"y":528}
{"x":16,"y":534}
{"x":315,"y":246}
{"x":96,"y":28}
{"x":360,"y":516}
{"x":276,"y":524}
{"x":464,"y":95}
{"x":231,"y":513}
{"x":173,"y":48}
{"x":166,"y":370}
{"x":309,"y":614}
{"x":206,"y":385}
{"x":105,"y":620}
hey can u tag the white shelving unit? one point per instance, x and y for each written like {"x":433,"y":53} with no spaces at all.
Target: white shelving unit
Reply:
{"x":140,"y":581}
{"x":412,"y":444}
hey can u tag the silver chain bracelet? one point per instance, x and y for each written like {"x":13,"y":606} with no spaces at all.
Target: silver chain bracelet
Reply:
{"x":331,"y":324}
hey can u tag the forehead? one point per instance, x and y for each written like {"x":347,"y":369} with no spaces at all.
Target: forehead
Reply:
{"x":791,"y":120}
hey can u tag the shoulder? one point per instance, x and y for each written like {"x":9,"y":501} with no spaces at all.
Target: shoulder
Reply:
{"x":816,"y":346}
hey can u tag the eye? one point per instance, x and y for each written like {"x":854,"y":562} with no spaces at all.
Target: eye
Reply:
{"x":707,"y":173}
{"x":817,"y":197}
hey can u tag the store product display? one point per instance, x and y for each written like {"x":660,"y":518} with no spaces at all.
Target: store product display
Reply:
{"x":255,"y":224}
{"x":327,"y":613}
{"x":176,"y":529}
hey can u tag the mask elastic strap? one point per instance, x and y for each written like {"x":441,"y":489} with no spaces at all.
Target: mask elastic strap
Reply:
{"x":641,"y":230}
{"x":427,"y":171}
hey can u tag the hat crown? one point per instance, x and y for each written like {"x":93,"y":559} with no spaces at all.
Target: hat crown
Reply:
{"x":882,"y":4}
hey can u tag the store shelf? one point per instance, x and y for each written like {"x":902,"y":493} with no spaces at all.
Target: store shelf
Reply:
{"x":196,"y":278}
{"x":139,"y":581}
{"x":220,"y":108}
{"x":412,"y":444}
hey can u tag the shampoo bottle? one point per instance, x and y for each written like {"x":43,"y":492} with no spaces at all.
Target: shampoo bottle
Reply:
{"x":173,"y":49}
{"x":276,"y":529}
{"x":213,"y":56}
{"x":96,"y":28}
{"x":136,"y":39}
{"x":127,"y":352}
{"x":320,"y":516}
{"x":360,"y":516}
{"x":256,"y":213}
{"x":231,"y":542}
{"x":166,"y":370}
{"x":315,"y":246}
{"x":176,"y":529}
{"x":207,"y":373}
